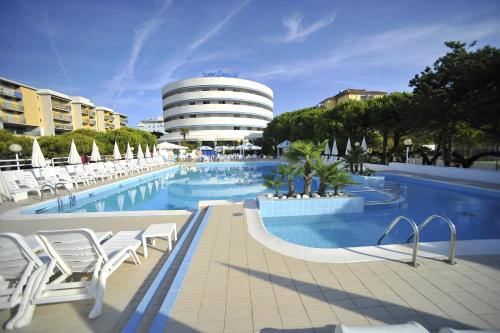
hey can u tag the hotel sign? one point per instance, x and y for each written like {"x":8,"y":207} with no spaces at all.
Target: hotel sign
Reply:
{"x":221,"y":72}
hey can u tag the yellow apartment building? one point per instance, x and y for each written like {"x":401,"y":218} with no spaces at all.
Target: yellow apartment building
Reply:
{"x":351,"y":94}
{"x":31,"y":111}
{"x":83,"y":112}
{"x":120,"y":120}
{"x":19,"y":112}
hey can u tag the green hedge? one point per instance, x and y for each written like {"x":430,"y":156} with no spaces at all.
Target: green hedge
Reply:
{"x":59,"y":145}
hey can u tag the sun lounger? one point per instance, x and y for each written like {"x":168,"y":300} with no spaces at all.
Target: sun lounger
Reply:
{"x":78,"y":251}
{"x":19,"y":268}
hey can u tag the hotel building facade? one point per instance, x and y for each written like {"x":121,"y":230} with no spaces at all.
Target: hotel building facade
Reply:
{"x":152,"y":125}
{"x":216,"y":109}
{"x":351,"y":94}
{"x":38,"y":112}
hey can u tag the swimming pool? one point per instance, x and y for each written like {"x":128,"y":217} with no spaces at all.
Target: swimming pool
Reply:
{"x":473,"y":211}
{"x":175,"y":188}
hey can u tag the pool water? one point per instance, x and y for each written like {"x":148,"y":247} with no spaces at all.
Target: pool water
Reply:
{"x":171,"y":189}
{"x":474,"y":212}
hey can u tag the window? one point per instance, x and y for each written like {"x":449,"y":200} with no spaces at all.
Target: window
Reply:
{"x":192,"y":103}
{"x":206,"y":102}
{"x":222,"y":102}
{"x":192,"y":116}
{"x":236,"y":128}
{"x":221,"y":89}
{"x":236,"y":103}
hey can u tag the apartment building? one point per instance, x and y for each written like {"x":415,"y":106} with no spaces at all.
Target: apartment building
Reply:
{"x":152,"y":125}
{"x":31,"y":111}
{"x":19,"y":112}
{"x":351,"y":94}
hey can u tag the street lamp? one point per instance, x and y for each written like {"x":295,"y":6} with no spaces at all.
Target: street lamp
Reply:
{"x":407,"y":143}
{"x":16,"y":149}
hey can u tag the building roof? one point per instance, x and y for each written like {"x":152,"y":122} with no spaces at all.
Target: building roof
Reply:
{"x":353,"y":91}
{"x":17,"y":83}
{"x":152,"y":120}
{"x":53,"y":93}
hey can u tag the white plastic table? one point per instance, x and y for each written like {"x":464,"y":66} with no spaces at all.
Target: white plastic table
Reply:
{"x":168,"y":230}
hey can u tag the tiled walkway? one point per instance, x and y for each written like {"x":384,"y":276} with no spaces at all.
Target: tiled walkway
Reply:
{"x":236,"y":285}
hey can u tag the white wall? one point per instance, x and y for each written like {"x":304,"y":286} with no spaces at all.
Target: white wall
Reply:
{"x":485,"y":176}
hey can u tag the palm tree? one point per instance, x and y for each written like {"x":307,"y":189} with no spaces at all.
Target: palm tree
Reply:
{"x":340,"y":179}
{"x":325,"y":172}
{"x":302,"y":150}
{"x":289,"y":171}
{"x":273,"y":181}
{"x":184,"y":132}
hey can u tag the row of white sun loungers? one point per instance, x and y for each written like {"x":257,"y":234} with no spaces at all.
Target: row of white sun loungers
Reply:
{"x":28,"y":280}
{"x":21,"y":182}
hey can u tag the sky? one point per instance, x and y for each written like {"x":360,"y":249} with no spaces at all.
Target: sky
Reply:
{"x":120,"y":54}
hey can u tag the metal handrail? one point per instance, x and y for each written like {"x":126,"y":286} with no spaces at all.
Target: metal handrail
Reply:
{"x":415,"y":239}
{"x":53,"y":190}
{"x":453,"y":234}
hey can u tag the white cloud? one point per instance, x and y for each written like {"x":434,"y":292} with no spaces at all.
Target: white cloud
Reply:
{"x":418,"y":45}
{"x":296,"y":32}
{"x":167,"y":70}
{"x":122,"y":79}
{"x":49,"y":30}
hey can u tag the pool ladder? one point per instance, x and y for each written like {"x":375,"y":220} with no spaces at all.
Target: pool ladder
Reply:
{"x":54,"y":191}
{"x":416,"y":235}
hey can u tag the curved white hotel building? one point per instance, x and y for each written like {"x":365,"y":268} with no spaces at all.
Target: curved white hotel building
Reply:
{"x":216,"y":109}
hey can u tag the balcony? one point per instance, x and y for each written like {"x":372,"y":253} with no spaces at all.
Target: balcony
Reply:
{"x":62,"y":107}
{"x":85,"y":112}
{"x":92,"y":122}
{"x":85,"y":121}
{"x":13,"y":119}
{"x":10,"y":93}
{"x":63,"y":127}
{"x":62,"y":117}
{"x":12,"y":106}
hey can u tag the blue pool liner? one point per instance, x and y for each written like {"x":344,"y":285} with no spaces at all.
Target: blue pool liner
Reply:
{"x":161,"y":319}
{"x":137,"y":315}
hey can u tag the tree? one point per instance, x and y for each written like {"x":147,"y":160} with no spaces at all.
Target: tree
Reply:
{"x":462,"y":86}
{"x":273,"y":181}
{"x":184,"y":132}
{"x":325,"y":172}
{"x":289,"y":171}
{"x":339,"y":180}
{"x":309,"y":152}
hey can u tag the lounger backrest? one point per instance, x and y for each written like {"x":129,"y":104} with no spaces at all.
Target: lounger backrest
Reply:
{"x":29,"y":180}
{"x":15,"y":256}
{"x":11,"y":180}
{"x":75,"y":250}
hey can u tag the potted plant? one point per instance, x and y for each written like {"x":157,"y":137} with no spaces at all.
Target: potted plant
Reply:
{"x":289,"y":171}
{"x":273,"y":181}
{"x":339,"y":180}
{"x":325,"y":172}
{"x":309,"y":153}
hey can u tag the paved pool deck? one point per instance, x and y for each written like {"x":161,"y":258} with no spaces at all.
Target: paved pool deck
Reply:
{"x":234,"y":284}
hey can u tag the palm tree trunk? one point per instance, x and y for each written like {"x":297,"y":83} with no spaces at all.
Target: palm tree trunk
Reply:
{"x":384,"y":147}
{"x":307,"y":177}
{"x":291,"y":187}
{"x":322,"y":186}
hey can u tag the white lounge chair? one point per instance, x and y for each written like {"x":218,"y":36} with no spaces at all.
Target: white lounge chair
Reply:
{"x":16,"y":190}
{"x":92,"y":170}
{"x":65,"y":176}
{"x":79,"y":251}
{"x":19,"y":268}
{"x":409,"y":327}
{"x":48,"y":175}
{"x":78,"y":172}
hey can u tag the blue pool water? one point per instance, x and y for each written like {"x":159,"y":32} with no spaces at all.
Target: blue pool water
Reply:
{"x":475,"y":213}
{"x":175,"y":188}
